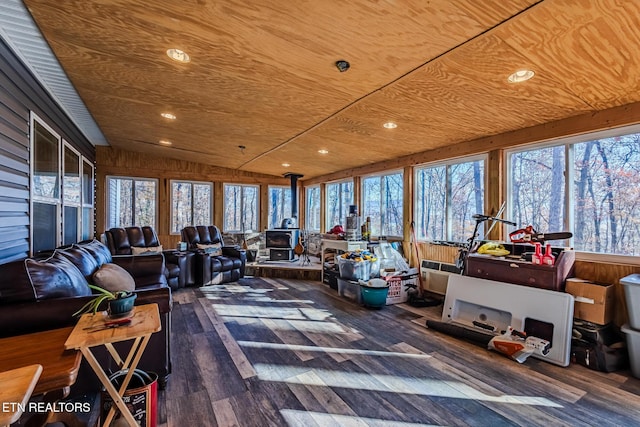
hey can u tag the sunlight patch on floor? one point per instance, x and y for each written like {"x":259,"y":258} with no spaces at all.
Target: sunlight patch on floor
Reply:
{"x":297,"y":347}
{"x":300,"y":418}
{"x":258,"y":311}
{"x":390,"y":384}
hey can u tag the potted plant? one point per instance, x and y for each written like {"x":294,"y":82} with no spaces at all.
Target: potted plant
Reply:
{"x":119,"y":303}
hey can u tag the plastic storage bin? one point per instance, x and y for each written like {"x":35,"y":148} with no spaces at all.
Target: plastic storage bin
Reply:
{"x":633,"y":345}
{"x":354,"y":270}
{"x":350,"y":289}
{"x":632,"y":295}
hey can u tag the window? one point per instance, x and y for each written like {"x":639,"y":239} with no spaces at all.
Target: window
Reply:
{"x":45,"y":187}
{"x":87,"y":199}
{"x":382,"y":202}
{"x":339,"y":197}
{"x":61,"y":190}
{"x":313,"y":208}
{"x":279,"y":205}
{"x":71,"y":195}
{"x":446,"y":198}
{"x":131,"y":201}
{"x":241,"y":212}
{"x":595,"y":197}
{"x":190,"y":204}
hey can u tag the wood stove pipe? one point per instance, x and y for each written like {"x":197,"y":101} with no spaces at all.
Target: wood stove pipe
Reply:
{"x":294,"y":194}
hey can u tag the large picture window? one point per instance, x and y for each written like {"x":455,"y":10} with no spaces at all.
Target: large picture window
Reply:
{"x":446,"y":198}
{"x":131,"y":201}
{"x":313,"y":208}
{"x":279,"y":205}
{"x":241,"y":211}
{"x":190,"y":204}
{"x":382,"y":203}
{"x":589,"y":186}
{"x":339,"y":196}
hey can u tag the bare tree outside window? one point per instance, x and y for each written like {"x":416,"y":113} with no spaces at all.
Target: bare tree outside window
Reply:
{"x":240,"y":208}
{"x":604,"y":195}
{"x":279,"y":205}
{"x":607,"y":195}
{"x":383,"y":201}
{"x":537,"y":188}
{"x":190,"y":204}
{"x":313,"y":208}
{"x":131,"y":201}
{"x":447,"y":197}
{"x":339,"y":197}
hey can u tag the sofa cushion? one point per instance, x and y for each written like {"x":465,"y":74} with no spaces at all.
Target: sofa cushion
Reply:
{"x":56,"y":277}
{"x":113,"y":278}
{"x":82,"y":259}
{"x":146,"y":250}
{"x":98,"y":250}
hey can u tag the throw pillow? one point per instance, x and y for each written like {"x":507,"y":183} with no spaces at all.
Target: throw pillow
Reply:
{"x":213,"y":249}
{"x":56,"y":277}
{"x":146,"y":250}
{"x":113,"y":278}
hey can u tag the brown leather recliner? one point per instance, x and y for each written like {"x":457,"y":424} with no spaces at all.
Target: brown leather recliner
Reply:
{"x":214,"y":269}
{"x":179,"y":265}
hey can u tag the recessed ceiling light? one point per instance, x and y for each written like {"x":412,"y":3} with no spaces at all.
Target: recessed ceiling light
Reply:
{"x":178,"y":55}
{"x":165,"y":142}
{"x":323,"y":151}
{"x":521,"y":76}
{"x":286,"y":165}
{"x":168,"y":116}
{"x":390,"y":125}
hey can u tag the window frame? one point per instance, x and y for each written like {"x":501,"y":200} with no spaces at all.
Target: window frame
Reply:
{"x":484,"y":157}
{"x":91,"y":196}
{"x":224,"y":205}
{"x":132,"y":178}
{"x":78,"y":205}
{"x":172,"y":210}
{"x":326,"y":203}
{"x":569,"y":202}
{"x":307,"y":213}
{"x":381,"y":175}
{"x":33,"y":198}
{"x":282,"y":206}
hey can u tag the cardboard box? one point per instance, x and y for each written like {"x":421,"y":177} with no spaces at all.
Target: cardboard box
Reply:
{"x":593,"y":301}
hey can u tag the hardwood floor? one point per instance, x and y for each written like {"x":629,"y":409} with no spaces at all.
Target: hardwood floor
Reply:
{"x":281,"y":352}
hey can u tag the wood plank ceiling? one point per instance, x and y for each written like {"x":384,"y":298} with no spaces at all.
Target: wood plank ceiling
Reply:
{"x":262,"y":73}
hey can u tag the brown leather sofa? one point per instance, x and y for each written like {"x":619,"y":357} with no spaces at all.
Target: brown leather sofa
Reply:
{"x":179,"y":265}
{"x":43,"y":293}
{"x":213,"y":269}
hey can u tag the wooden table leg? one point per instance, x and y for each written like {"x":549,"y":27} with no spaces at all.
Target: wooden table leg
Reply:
{"x":104,"y":379}
{"x":129,"y":364}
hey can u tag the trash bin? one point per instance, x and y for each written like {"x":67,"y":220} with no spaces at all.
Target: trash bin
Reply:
{"x":141,"y":397}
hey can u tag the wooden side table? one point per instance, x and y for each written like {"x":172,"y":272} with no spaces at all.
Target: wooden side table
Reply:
{"x":90,"y":332}
{"x":59,"y":368}
{"x":16,"y":387}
